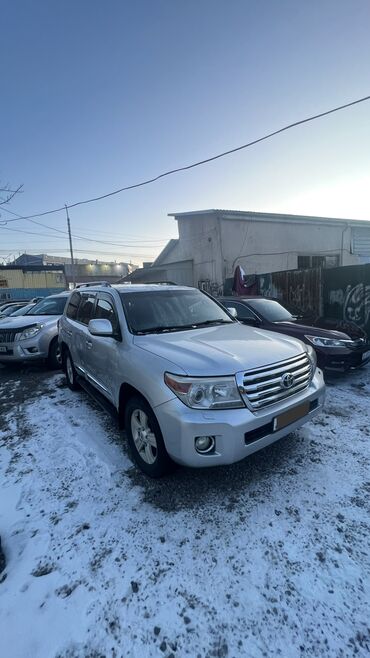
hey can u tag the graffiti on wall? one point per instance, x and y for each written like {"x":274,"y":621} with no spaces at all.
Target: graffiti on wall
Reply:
{"x":357,"y":304}
{"x":212,"y":287}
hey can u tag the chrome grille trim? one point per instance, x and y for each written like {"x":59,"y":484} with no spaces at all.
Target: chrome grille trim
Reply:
{"x":8,"y":335}
{"x":262,"y":386}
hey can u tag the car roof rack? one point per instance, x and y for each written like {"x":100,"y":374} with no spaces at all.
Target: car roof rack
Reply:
{"x":89,"y":284}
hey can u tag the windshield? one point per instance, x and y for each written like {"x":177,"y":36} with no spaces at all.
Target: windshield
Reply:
{"x":22,"y":311}
{"x":9,"y":310}
{"x":49,"y":306}
{"x":171,"y":310}
{"x":270,"y":310}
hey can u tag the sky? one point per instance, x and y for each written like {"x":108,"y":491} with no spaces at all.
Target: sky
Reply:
{"x":98,"y":95}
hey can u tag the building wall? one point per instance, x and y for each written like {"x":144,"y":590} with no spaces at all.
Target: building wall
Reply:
{"x":217,"y":245}
{"x":23,"y":278}
{"x":84,"y":273}
{"x":199,"y":242}
{"x":275,"y":245}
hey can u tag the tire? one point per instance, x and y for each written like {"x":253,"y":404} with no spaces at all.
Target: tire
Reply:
{"x":54,"y":358}
{"x":70,"y":372}
{"x":142,"y":429}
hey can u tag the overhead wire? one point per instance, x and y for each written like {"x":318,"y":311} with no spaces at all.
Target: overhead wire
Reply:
{"x":199,"y":162}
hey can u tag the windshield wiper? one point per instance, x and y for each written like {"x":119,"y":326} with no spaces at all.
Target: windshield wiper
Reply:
{"x":208,"y":322}
{"x":164,"y":329}
{"x":193,"y":325}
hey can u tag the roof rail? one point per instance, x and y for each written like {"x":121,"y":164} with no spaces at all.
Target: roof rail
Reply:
{"x":89,"y":284}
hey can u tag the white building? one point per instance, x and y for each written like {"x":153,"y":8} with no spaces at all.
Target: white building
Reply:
{"x":212,"y":243}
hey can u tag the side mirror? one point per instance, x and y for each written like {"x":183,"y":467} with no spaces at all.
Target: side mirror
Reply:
{"x":100,"y":328}
{"x":232,"y":311}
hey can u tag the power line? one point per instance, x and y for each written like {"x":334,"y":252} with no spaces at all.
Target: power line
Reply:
{"x":80,"y":237}
{"x":77,"y":237}
{"x":200,"y":162}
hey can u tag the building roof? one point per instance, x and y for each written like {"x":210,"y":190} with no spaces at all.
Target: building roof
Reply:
{"x":269,"y":216}
{"x":33,"y":268}
{"x":164,"y":253}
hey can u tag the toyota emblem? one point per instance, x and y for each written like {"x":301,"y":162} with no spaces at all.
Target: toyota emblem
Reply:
{"x":287,"y":380}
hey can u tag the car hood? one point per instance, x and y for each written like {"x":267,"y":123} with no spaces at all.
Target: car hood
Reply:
{"x":302,"y":330}
{"x":26,"y":320}
{"x":220,"y":350}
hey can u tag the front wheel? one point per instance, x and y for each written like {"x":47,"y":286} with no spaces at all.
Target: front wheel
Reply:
{"x":70,"y":372}
{"x":54,"y":357}
{"x":145,"y":439}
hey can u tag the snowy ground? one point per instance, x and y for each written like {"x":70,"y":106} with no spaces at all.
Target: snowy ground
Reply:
{"x":269,"y":557}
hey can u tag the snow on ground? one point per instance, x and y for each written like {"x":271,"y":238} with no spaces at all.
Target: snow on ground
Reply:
{"x":268,"y":557}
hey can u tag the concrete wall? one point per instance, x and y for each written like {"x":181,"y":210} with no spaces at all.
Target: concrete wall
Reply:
{"x":244,"y":242}
{"x":199,"y":242}
{"x":217,"y":242}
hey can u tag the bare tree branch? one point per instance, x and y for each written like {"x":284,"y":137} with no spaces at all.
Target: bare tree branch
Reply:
{"x":10,"y":194}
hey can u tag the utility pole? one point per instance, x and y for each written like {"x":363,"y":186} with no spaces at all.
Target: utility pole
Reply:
{"x":71,"y":248}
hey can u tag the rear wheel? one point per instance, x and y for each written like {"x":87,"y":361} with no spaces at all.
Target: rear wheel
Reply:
{"x":145,"y":439}
{"x":54,"y":358}
{"x":70,"y":372}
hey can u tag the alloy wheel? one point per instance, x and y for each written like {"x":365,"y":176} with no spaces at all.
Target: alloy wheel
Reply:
{"x":144,"y":438}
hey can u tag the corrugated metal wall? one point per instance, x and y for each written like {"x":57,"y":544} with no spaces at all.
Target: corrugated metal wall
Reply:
{"x":339,"y":292}
{"x":301,"y":288}
{"x":23,"y":278}
{"x":26,"y":293}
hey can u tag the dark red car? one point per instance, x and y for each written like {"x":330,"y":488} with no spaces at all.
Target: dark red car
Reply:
{"x":335,"y":350}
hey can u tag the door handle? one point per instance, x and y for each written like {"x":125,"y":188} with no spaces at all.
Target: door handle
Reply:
{"x":69,"y":333}
{"x":89,"y":344}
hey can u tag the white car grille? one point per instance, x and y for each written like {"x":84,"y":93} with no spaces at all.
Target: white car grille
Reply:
{"x":267,"y":385}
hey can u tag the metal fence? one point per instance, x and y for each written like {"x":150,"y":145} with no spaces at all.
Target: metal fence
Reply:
{"x":339,"y":292}
{"x":346,"y":294}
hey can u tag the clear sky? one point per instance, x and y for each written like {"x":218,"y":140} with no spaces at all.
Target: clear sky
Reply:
{"x":96,"y":95}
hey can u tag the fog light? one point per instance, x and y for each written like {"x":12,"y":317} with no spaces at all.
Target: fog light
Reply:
{"x":204,"y":444}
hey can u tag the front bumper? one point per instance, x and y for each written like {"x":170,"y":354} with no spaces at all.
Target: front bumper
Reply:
{"x":32,"y":349}
{"x":233,"y":429}
{"x":342,"y":359}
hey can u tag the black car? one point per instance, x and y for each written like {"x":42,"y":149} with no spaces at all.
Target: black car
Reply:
{"x":335,"y":350}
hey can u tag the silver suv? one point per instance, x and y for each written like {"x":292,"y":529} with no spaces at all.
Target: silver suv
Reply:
{"x":33,"y":336}
{"x":190,"y":383}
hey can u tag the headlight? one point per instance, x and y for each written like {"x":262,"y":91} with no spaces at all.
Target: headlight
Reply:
{"x":30,"y":332}
{"x":313,"y":358}
{"x":205,"y":392}
{"x":328,"y":342}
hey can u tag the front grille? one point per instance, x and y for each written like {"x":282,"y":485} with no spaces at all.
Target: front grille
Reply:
{"x":264,"y":386}
{"x":8,"y":335}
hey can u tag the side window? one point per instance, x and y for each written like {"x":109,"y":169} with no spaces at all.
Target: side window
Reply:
{"x":72,"y":307}
{"x":104,"y":310}
{"x":243,"y":313}
{"x":85,"y":309}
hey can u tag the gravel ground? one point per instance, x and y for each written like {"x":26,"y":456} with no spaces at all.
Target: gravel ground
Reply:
{"x":268,"y":557}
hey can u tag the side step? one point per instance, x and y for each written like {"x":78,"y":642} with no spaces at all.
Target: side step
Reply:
{"x":100,"y":399}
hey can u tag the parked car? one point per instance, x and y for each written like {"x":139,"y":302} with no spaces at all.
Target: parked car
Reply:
{"x":335,"y":350}
{"x":11,"y":308}
{"x":5,"y":307}
{"x":23,"y":310}
{"x":33,"y":336}
{"x":189,"y":382}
